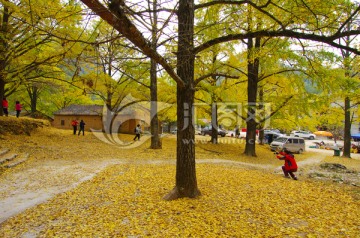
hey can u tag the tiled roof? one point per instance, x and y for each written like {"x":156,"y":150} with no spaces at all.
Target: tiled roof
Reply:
{"x":81,"y":110}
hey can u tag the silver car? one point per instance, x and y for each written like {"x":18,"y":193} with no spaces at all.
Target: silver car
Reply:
{"x":293,"y":144}
{"x":303,"y":134}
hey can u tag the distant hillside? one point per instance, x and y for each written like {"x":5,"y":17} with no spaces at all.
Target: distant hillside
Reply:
{"x":20,"y":126}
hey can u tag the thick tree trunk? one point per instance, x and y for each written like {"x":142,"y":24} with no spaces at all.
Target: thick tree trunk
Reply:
{"x":253,"y":71}
{"x":33,"y":98}
{"x":347,"y":130}
{"x":155,"y":138}
{"x":3,"y":49}
{"x":186,"y":183}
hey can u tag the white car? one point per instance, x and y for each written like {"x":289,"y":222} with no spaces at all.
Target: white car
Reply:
{"x":303,"y":134}
{"x":232,"y":134}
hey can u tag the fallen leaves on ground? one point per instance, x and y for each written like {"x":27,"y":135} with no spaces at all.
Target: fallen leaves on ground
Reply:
{"x":125,"y":200}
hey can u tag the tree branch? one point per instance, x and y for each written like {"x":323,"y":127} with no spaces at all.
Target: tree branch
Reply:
{"x":116,"y":17}
{"x":284,"y":33}
{"x":198,"y":80}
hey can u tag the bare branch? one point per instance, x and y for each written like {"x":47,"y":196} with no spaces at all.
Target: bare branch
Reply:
{"x":198,"y":80}
{"x":284,"y":33}
{"x":117,"y":18}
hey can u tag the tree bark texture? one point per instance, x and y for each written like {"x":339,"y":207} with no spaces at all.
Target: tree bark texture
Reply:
{"x":33,"y":94}
{"x":347,"y":130}
{"x":3,"y":53}
{"x":154,"y":124}
{"x":253,"y":75}
{"x":214,"y":123}
{"x":186,"y":183}
{"x":261,"y":127}
{"x":155,"y":138}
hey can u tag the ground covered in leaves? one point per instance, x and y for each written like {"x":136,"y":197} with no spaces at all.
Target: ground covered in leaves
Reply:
{"x":106,"y":191}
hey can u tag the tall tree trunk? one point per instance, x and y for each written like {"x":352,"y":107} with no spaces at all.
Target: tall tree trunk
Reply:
{"x":108,"y":117}
{"x":33,"y":95}
{"x":214,"y":123}
{"x":261,"y":126}
{"x":34,"y":99}
{"x":214,"y":111}
{"x":155,"y":138}
{"x":186,"y":183}
{"x":253,"y":74}
{"x":3,"y":49}
{"x":347,"y":130}
{"x":154,"y":124}
{"x":347,"y":126}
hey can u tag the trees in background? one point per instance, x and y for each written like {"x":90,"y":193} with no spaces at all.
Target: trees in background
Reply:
{"x":33,"y":44}
{"x":292,"y":19}
{"x":43,"y":48}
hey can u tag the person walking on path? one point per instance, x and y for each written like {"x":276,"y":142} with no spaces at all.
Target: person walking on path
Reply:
{"x":74,"y":124}
{"x":81,"y":127}
{"x":5,"y":105}
{"x":290,"y":165}
{"x":137,"y":132}
{"x":17,"y":108}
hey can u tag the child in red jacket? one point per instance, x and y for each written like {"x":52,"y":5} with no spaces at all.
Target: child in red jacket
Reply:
{"x":290,"y":165}
{"x":18,"y":108}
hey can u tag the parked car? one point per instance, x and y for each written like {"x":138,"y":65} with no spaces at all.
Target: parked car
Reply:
{"x":270,"y":136}
{"x":293,"y":144}
{"x":303,"y":134}
{"x":232,"y":134}
{"x":274,"y":130}
{"x":207,"y":131}
{"x":174,"y":131}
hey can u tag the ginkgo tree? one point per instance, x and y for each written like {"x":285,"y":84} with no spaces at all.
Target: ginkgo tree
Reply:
{"x":33,"y":42}
{"x":296,"y":20}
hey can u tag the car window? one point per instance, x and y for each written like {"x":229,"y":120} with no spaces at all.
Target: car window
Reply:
{"x":301,"y":141}
{"x":296,"y":141}
{"x":289,"y":141}
{"x":280,"y":139}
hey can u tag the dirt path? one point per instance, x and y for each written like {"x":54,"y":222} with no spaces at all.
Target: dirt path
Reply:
{"x":37,"y":184}
{"x":42,"y":181}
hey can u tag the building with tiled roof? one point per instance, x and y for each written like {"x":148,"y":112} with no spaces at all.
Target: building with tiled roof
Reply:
{"x":93,"y":116}
{"x":80,"y":110}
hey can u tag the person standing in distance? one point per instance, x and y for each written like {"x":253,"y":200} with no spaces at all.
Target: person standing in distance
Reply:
{"x":5,"y":105}
{"x":81,"y":127}
{"x":74,"y":124}
{"x":17,"y":108}
{"x":137,"y":132}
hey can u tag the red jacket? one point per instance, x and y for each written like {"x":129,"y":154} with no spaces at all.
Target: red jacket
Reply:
{"x":18,"y":107}
{"x":290,"y":163}
{"x":5,"y":103}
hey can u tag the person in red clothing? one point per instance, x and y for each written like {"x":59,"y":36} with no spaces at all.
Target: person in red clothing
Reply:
{"x":290,"y":165}
{"x":74,"y":124}
{"x":5,"y":106}
{"x":17,"y":108}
